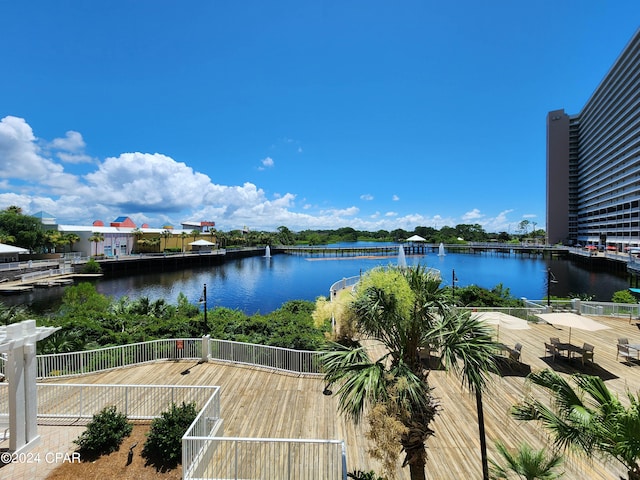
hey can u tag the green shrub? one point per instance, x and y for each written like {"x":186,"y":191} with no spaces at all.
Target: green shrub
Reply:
{"x":163,"y":447}
{"x":361,"y":475}
{"x":91,"y":267}
{"x":623,"y":296}
{"x":104,"y":433}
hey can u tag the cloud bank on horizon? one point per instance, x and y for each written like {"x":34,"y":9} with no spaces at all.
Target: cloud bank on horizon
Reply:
{"x":156,"y":189}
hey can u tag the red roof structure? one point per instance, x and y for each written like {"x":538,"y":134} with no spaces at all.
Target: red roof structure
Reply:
{"x":125,"y":222}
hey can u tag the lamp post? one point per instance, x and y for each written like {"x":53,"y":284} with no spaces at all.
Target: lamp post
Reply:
{"x":203,"y":300}
{"x":453,"y":285}
{"x":550,"y":279}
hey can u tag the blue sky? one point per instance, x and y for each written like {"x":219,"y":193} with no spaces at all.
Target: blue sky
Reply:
{"x":319,"y":114}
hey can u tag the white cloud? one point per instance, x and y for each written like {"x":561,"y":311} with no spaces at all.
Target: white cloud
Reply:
{"x":344,"y":212}
{"x":472,"y":216}
{"x":21,"y":159}
{"x":266,"y":163}
{"x":395,"y":198}
{"x":151,"y":182}
{"x":72,"y":142}
{"x":156,"y":189}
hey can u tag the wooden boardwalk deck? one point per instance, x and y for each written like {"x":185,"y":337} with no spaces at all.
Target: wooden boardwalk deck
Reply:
{"x":259,"y":403}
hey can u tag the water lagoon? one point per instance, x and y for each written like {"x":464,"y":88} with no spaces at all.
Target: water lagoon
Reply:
{"x":260,"y":284}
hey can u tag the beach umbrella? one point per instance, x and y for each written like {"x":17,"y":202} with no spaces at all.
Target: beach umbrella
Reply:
{"x":572,"y":320}
{"x":501,"y":319}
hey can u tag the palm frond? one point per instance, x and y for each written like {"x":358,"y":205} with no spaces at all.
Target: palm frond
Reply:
{"x":466,"y":347}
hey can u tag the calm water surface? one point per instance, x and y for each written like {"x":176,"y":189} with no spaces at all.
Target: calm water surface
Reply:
{"x":259,"y":284}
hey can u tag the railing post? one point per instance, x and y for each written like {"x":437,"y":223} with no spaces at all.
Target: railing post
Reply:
{"x":205,"y":349}
{"x":236,"y":459}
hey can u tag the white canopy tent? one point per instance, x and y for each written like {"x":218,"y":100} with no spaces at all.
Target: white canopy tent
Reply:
{"x":202,"y":246}
{"x":416,"y":238}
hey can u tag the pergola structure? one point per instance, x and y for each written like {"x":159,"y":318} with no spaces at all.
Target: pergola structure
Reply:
{"x":18,"y":346}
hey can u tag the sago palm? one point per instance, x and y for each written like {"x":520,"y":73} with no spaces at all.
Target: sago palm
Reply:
{"x":526,"y":463}
{"x":404,"y":311}
{"x":590,"y":419}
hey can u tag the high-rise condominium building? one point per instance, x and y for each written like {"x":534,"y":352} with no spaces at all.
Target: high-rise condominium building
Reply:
{"x":593,"y":162}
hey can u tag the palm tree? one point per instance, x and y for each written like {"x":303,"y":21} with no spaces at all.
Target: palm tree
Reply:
{"x":137,"y":234}
{"x":527,"y":463}
{"x":183,"y":236}
{"x":222,"y":237}
{"x":405,"y":310}
{"x":6,"y":238}
{"x":166,"y":234}
{"x":12,"y":314}
{"x":96,"y":237}
{"x":52,"y":238}
{"x":591,"y":419}
{"x":71,"y":239}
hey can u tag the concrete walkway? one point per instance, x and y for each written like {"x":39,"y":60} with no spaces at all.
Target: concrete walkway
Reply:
{"x":56,"y":447}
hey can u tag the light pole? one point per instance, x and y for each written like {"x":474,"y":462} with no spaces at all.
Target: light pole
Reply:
{"x":203,"y":300}
{"x":550,"y":279}
{"x":453,"y":285}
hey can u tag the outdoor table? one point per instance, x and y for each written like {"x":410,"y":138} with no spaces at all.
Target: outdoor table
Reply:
{"x":569,"y":348}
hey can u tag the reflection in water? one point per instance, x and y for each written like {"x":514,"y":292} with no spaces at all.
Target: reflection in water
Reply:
{"x":257,"y":284}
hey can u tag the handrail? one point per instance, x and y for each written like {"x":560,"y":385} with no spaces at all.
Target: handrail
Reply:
{"x":55,"y":365}
{"x":138,"y":402}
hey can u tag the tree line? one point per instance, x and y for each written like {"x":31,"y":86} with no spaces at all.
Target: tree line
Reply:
{"x":27,"y":231}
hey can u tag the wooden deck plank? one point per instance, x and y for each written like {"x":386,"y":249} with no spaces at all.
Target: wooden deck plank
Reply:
{"x":260,"y":403}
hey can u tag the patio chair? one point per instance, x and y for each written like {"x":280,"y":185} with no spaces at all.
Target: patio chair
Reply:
{"x":554,"y":340}
{"x":623,"y":351}
{"x":587,"y":353}
{"x":550,"y":349}
{"x":623,"y":341}
{"x":514,"y":353}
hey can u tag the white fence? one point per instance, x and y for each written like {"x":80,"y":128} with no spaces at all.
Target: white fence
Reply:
{"x":27,"y":277}
{"x":205,"y":452}
{"x":137,"y":402}
{"x":99,"y":360}
{"x":342,"y":284}
{"x":299,"y":362}
{"x":268,"y":458}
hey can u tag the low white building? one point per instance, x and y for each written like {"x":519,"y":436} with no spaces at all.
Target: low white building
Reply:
{"x":9,"y":253}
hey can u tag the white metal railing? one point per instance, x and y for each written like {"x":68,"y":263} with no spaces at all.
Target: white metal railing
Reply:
{"x":271,"y":458}
{"x":526,"y":313}
{"x":137,"y":402}
{"x":196,"y":452}
{"x":625,"y":310}
{"x":342,"y":284}
{"x":10,"y":266}
{"x":302,"y":362}
{"x":108,"y":358}
{"x":46,"y":273}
